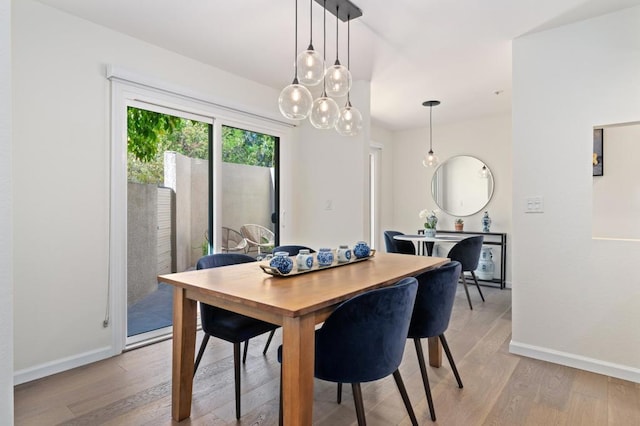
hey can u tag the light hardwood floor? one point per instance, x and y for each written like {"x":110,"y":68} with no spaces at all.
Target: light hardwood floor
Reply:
{"x":499,"y":388}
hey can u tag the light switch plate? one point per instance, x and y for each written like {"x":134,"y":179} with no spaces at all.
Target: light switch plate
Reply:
{"x":534,"y":205}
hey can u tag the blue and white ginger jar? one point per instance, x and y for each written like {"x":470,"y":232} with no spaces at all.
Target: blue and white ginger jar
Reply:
{"x":361,"y":249}
{"x":344,"y":254}
{"x":304,"y":259}
{"x":325,"y":257}
{"x":281,"y":262}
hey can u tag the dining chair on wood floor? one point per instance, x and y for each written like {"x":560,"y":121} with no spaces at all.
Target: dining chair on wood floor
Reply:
{"x":348,"y":346}
{"x":431,"y":315}
{"x":467,"y":252}
{"x":227,"y":325}
{"x":397,"y":246}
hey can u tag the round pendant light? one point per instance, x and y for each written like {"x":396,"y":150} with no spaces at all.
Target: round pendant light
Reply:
{"x":337,"y":77}
{"x":309,"y":62}
{"x":350,"y":119}
{"x":295,"y":100}
{"x":324,"y":110}
{"x":430,"y":160}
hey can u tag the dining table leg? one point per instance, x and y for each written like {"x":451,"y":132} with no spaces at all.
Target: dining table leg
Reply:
{"x":184,"y":346}
{"x":435,"y":352}
{"x":298,"y":346}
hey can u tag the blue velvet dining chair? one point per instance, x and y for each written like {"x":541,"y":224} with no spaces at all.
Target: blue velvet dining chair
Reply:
{"x":397,"y":246}
{"x":363,"y":340}
{"x":227,"y":325}
{"x":431,"y":315}
{"x":467,"y":252}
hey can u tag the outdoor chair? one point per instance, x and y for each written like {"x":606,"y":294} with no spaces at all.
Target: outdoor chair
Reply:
{"x":258,"y":237}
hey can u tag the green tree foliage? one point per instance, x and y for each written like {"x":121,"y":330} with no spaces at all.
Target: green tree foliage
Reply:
{"x":144,"y":129}
{"x":150,"y":134}
{"x":245,"y":147}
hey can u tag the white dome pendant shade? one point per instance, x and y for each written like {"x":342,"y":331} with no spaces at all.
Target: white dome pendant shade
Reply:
{"x":324,"y":113}
{"x":295,"y":100}
{"x":350,"y":121}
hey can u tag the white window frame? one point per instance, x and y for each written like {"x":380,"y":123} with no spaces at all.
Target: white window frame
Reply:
{"x":130,"y":89}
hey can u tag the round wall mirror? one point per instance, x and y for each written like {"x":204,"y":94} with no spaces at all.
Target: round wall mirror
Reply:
{"x":462,"y":185}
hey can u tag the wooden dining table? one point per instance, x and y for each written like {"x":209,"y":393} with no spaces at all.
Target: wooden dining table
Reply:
{"x":297,"y":303}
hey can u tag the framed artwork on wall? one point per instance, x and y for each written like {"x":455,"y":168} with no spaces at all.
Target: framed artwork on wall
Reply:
{"x":598,"y":164}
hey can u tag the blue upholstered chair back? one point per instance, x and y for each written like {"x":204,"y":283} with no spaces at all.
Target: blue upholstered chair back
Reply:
{"x":434,"y":301}
{"x":225,"y":324}
{"x":222,"y":259}
{"x":292,"y":249}
{"x":397,"y":246}
{"x":467,"y":252}
{"x":364,"y":338}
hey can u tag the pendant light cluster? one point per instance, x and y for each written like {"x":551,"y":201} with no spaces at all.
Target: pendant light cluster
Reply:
{"x":296,"y":101}
{"x":430,"y":160}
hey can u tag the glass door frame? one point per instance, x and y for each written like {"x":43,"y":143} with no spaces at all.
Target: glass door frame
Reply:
{"x":127,"y":89}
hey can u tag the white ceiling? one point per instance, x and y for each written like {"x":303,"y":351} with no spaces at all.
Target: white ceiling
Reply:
{"x":455,"y":51}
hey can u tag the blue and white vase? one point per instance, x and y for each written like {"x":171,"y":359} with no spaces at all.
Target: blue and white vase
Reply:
{"x":430,"y":232}
{"x":485,"y":264}
{"x":304,"y":260}
{"x":486,"y":222}
{"x":344,"y":254}
{"x":361,"y":249}
{"x":325,"y":257}
{"x":281,"y":262}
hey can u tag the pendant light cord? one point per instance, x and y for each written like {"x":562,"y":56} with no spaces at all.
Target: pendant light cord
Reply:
{"x":349,"y":54}
{"x":324,"y":48}
{"x":337,"y":38}
{"x":295,"y":52}
{"x":430,"y":128}
{"x":310,"y":25}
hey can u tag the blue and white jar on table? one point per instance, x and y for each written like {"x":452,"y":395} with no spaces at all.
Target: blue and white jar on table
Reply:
{"x":486,"y":222}
{"x":344,"y":254}
{"x":325,"y":257}
{"x":281,"y":262}
{"x":304,"y":260}
{"x":361,"y":249}
{"x":485,"y":264}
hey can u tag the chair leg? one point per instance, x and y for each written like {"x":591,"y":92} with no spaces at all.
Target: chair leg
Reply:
{"x":203,"y":345}
{"x":405,"y":397}
{"x":266,"y":346}
{"x":339,"y":398}
{"x":244,"y":355}
{"x":357,"y":400}
{"x":445,"y":346}
{"x":236,"y":368}
{"x":280,"y":411}
{"x":473,"y":274}
{"x":425,"y":380}
{"x":466,"y":290}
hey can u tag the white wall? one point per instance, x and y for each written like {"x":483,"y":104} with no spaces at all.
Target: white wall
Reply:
{"x":616,"y":194}
{"x":576,"y":301}
{"x":61,"y":167}
{"x":488,"y":139}
{"x":6,"y":267}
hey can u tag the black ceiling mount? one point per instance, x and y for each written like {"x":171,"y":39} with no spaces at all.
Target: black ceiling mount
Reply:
{"x":343,"y":9}
{"x":431,"y":103}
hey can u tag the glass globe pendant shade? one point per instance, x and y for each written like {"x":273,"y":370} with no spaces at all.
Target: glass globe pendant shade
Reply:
{"x":295,"y":101}
{"x":349,"y":122}
{"x":430,"y":160}
{"x":337,"y":80}
{"x":310,"y":67}
{"x":324,"y":113}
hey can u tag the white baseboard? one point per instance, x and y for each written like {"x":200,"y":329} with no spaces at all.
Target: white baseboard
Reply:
{"x":576,"y":361}
{"x":60,"y":365}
